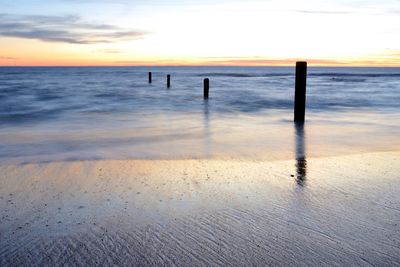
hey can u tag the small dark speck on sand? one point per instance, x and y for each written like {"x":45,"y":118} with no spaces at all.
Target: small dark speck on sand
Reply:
{"x":59,"y":222}
{"x":81,"y":207}
{"x":138,"y":193}
{"x":291,"y":175}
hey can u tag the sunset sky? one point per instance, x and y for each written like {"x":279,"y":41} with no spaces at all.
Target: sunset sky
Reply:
{"x":208,"y":32}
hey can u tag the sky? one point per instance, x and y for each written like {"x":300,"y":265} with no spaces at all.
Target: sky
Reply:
{"x":218,"y":32}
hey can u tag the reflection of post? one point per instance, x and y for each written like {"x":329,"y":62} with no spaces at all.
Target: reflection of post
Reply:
{"x":301,"y":162}
{"x":206,"y":121}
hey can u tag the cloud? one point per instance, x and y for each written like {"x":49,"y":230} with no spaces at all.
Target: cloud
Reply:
{"x":322,"y":12}
{"x":8,"y":58}
{"x":232,"y":61}
{"x":110,"y":51}
{"x":259,"y":61}
{"x":380,"y":60}
{"x":65,"y":29}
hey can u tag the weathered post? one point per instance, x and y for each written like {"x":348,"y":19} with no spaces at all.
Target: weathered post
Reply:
{"x":168,"y":81}
{"x":206,"y":88}
{"x":300,"y":91}
{"x":150,"y":77}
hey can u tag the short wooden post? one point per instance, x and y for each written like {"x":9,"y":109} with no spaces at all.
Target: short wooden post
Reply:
{"x":300,"y":91}
{"x":150,"y":77}
{"x":206,"y":88}
{"x":168,"y":81}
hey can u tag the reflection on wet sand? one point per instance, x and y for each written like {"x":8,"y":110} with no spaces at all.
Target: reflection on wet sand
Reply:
{"x":206,"y":126}
{"x":206,"y":115}
{"x":201,"y":212}
{"x":301,"y":162}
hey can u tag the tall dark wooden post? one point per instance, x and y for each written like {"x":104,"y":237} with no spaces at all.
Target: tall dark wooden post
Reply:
{"x":168,"y":81}
{"x":206,"y":88}
{"x":150,"y":77}
{"x":300,"y":91}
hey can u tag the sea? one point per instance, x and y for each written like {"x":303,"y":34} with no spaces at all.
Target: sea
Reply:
{"x":114,"y":113}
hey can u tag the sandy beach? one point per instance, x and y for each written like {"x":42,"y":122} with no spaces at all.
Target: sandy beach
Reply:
{"x":327,"y":211}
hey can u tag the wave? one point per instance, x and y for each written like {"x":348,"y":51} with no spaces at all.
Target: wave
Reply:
{"x":342,"y":74}
{"x":244,"y":75}
{"x":348,"y":79}
{"x":27,"y":117}
{"x":323,"y":74}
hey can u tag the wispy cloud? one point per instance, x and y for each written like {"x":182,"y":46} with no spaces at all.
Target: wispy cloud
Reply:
{"x":66,"y":29}
{"x":322,"y":12}
{"x":259,"y":61}
{"x":110,"y":51}
{"x":232,"y":61}
{"x":379,"y":60}
{"x":8,"y":58}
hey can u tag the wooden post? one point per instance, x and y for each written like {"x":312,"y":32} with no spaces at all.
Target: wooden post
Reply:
{"x":150,"y":76}
{"x":206,"y":88}
{"x":168,"y":81}
{"x":300,"y":91}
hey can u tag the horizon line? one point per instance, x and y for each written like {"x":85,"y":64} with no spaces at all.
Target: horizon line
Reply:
{"x":183,"y":65}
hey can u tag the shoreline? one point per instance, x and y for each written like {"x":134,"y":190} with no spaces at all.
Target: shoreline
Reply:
{"x":267,"y":157}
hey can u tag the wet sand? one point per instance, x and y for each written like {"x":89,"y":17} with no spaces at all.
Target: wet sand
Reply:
{"x":327,"y":211}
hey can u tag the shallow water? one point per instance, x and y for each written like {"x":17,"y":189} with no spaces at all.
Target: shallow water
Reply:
{"x":74,"y":113}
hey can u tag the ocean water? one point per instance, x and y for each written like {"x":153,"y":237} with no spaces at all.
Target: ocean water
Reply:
{"x":79,"y":113}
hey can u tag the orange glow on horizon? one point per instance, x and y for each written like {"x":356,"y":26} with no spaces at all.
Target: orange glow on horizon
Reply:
{"x":20,"y":52}
{"x":362,"y":62}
